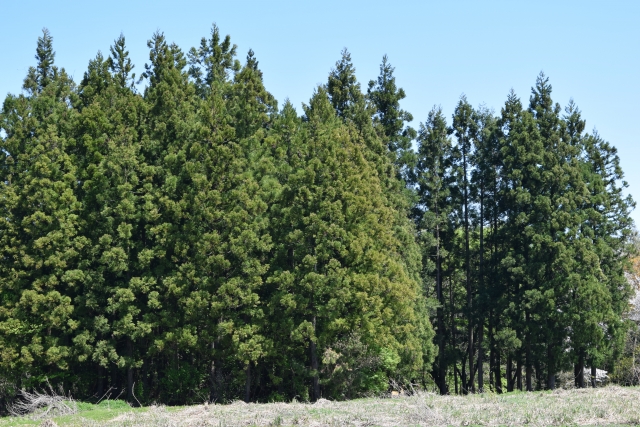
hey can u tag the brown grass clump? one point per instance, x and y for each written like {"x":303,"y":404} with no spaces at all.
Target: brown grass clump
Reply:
{"x":42,"y":404}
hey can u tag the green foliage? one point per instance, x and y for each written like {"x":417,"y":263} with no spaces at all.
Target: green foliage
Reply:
{"x":192,"y":241}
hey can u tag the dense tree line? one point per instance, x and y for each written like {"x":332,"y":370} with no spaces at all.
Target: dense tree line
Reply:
{"x":193,"y":241}
{"x":527,"y":230}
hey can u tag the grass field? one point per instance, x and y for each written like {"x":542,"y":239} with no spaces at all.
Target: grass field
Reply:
{"x":601,"y":406}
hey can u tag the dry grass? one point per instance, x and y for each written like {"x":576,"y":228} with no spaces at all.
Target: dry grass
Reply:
{"x":42,"y":404}
{"x":602,"y":406}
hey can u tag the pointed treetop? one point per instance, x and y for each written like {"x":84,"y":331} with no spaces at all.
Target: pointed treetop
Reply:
{"x":252,"y":62}
{"x":319,"y":107}
{"x":386,"y":97}
{"x":213,"y":61}
{"x":44,"y":72}
{"x":463,"y":120}
{"x":163,"y":57}
{"x":120,"y":63}
{"x":512,"y":107}
{"x":343,"y":87}
{"x":540,"y":99}
{"x":95,"y":80}
{"x":575,"y":123}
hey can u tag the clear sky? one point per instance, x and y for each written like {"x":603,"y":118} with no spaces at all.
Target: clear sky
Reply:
{"x":440,"y":49}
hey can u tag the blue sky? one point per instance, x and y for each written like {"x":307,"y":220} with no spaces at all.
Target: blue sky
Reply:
{"x":589,"y":49}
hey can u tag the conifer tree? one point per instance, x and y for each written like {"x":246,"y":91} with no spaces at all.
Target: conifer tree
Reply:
{"x":434,"y":177}
{"x":40,"y":244}
{"x":336,"y":251}
{"x":464,"y":127}
{"x":344,"y":91}
{"x":521,"y":148}
{"x":483,"y":181}
{"x":116,"y":289}
{"x":385,"y":97}
{"x":212,"y":62}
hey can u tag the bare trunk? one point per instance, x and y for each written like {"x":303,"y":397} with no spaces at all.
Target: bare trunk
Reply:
{"x":463,"y":377}
{"x":130,"y":371}
{"x":453,"y":335}
{"x":481,"y":320}
{"x":314,"y":366}
{"x":492,"y":352}
{"x":593,"y":375}
{"x":528,"y":361}
{"x":578,"y":371}
{"x":519,"y":374}
{"x":480,"y":360}
{"x":551,"y":368}
{"x":510,"y":373}
{"x":442,"y":381}
{"x":247,"y":384}
{"x":498,"y":373}
{"x":212,"y":377}
{"x":100,"y":388}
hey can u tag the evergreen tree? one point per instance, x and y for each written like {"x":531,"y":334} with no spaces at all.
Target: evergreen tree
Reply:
{"x":117,"y":287}
{"x":385,"y":97}
{"x":41,"y":247}
{"x":344,"y":91}
{"x":336,"y":253}
{"x":464,"y":127}
{"x":521,"y":151}
{"x":212,"y":62}
{"x":434,"y":177}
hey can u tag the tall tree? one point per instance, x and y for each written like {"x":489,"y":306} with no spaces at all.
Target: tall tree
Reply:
{"x":434,"y":177}
{"x":40,"y":242}
{"x":464,"y":127}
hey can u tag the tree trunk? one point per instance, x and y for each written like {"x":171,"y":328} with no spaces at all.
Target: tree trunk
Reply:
{"x":498,"y":373}
{"x":468,"y":276}
{"x":593,"y":375}
{"x":539,"y":375}
{"x":455,"y":377}
{"x":463,"y":377}
{"x":247,"y":384}
{"x":528,"y":361}
{"x":453,"y":336}
{"x":481,"y":319}
{"x":492,"y":352}
{"x":130,"y":371}
{"x":480,"y":360}
{"x":100,"y":387}
{"x":551,"y":368}
{"x":580,"y":372}
{"x":442,"y":380}
{"x":213,"y":395}
{"x":314,"y":366}
{"x":519,"y":373}
{"x":510,"y":373}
